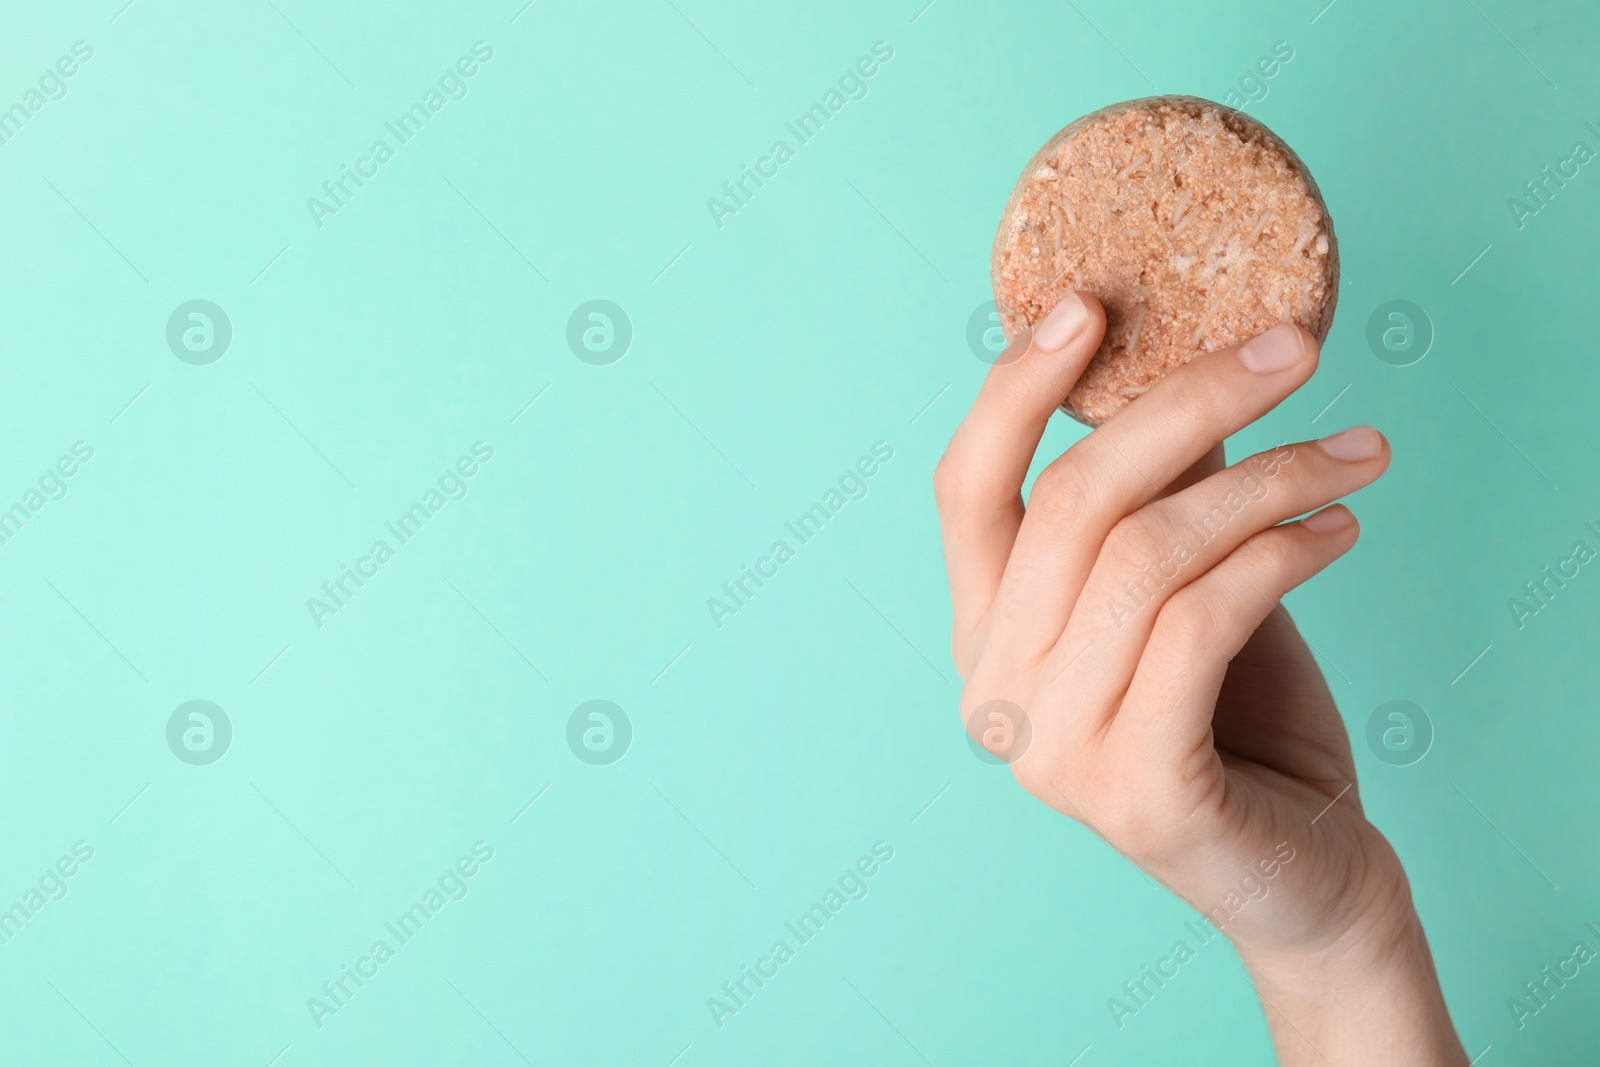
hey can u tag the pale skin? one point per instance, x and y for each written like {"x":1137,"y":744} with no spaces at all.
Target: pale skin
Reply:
{"x":1130,"y":610}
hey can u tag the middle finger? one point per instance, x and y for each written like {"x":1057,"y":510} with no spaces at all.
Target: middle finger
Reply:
{"x":1125,"y":463}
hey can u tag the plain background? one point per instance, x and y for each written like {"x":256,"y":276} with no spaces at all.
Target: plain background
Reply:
{"x":768,"y":354}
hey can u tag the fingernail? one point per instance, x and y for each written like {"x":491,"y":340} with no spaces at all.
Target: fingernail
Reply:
{"x":1280,"y":347}
{"x":1356,"y":443}
{"x":1065,"y":321}
{"x":1328,"y":520}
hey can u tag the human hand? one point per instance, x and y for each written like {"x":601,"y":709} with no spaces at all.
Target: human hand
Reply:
{"x":1128,"y":620}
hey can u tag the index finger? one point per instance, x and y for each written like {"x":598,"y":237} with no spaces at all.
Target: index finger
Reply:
{"x":978,"y":482}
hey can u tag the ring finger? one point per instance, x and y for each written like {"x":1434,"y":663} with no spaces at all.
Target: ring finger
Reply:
{"x":1159,"y":549}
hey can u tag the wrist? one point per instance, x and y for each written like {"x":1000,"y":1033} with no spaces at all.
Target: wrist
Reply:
{"x":1370,"y":996}
{"x":1394,"y":945}
{"x":1383,"y":934}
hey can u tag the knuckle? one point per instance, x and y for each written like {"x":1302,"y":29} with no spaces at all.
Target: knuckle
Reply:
{"x":968,"y":707}
{"x":1139,"y":541}
{"x":952,"y":484}
{"x":1271,"y":463}
{"x":967,"y":651}
{"x":1253,"y":480}
{"x":1045,"y":772}
{"x":1201,"y":402}
{"x":1188,"y":621}
{"x":1061,"y":494}
{"x":1271,"y":555}
{"x":1034,"y":775}
{"x":959,"y":646}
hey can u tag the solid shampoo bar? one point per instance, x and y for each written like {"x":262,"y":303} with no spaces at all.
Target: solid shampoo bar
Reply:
{"x":1194,"y":225}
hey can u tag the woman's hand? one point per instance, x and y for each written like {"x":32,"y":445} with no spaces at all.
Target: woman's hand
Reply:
{"x":1123,"y":649}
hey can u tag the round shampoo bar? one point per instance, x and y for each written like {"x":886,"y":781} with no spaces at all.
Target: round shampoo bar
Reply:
{"x":1194,"y":225}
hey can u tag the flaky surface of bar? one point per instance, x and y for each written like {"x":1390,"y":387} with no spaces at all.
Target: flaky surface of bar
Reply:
{"x":1193,"y":224}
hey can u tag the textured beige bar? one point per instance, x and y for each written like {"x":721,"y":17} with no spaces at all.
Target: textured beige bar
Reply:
{"x":1194,"y":225}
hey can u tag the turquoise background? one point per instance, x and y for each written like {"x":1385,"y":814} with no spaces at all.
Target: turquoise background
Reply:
{"x":768,"y":354}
